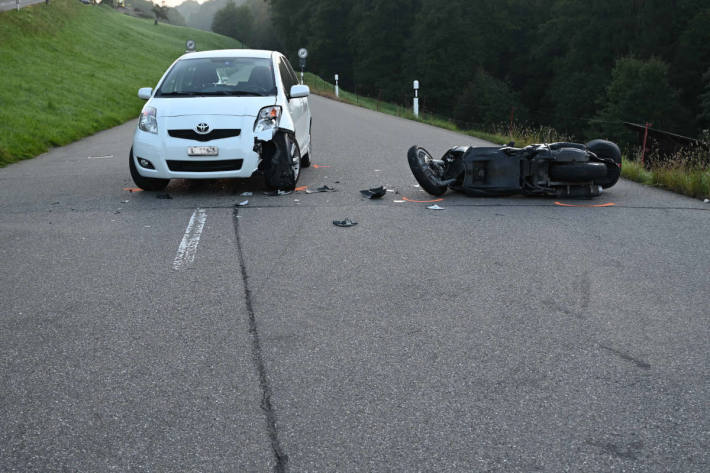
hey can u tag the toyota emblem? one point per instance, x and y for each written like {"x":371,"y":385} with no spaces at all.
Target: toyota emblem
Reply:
{"x":202,"y":128}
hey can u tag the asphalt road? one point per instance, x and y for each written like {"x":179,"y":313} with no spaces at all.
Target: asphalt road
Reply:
{"x":12,"y":4}
{"x":502,"y":334}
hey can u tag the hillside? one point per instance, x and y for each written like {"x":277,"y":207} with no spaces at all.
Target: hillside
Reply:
{"x":70,"y":70}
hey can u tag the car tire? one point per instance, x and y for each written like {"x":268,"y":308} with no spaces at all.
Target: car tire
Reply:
{"x":607,"y":150}
{"x":578,"y":172}
{"x":145,"y":183}
{"x":283,"y":163}
{"x":427,"y":174}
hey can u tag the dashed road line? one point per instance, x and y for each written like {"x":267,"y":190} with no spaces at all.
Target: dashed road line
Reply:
{"x":188,"y":246}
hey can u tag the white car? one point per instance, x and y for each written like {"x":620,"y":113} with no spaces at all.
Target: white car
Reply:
{"x":223,"y":114}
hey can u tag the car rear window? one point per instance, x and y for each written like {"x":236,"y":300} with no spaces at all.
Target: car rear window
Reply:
{"x":219,"y":76}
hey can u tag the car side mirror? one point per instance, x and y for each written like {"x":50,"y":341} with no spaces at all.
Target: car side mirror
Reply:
{"x":298,"y":91}
{"x":145,"y":93}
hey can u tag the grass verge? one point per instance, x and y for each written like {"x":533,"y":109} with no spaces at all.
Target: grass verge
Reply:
{"x":690,"y":181}
{"x":70,"y":70}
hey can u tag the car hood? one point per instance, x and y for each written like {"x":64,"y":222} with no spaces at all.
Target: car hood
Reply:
{"x":234,"y":106}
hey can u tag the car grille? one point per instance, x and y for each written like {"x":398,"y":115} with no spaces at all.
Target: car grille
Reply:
{"x":205,"y":166}
{"x":212,"y":135}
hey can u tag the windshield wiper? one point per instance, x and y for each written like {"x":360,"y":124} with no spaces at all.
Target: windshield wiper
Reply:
{"x":176,"y":94}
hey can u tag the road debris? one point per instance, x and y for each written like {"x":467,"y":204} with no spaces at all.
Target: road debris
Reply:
{"x":344,"y":223}
{"x":399,"y":201}
{"x":246,"y":194}
{"x":277,"y":193}
{"x":324,"y":188}
{"x":435,"y":207}
{"x":374,"y":193}
{"x":706,"y":201}
{"x":124,"y":201}
{"x":243,"y":203}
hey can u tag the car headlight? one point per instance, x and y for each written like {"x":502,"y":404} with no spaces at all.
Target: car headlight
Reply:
{"x":268,"y":118}
{"x":148,"y":120}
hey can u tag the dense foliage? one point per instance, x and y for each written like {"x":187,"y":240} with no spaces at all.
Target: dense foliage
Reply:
{"x":583,"y":67}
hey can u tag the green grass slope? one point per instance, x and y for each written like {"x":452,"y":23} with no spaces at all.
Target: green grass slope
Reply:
{"x":68,"y":70}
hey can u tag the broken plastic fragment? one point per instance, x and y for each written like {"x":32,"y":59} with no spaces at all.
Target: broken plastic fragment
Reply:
{"x":435,"y":207}
{"x":344,"y":223}
{"x":243,"y":204}
{"x":374,"y":193}
{"x":277,"y":193}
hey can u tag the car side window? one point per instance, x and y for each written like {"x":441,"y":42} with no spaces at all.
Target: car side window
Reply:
{"x":287,"y":76}
{"x":294,"y":76}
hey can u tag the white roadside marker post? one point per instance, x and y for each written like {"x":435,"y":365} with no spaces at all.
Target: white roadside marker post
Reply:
{"x":337,"y":92}
{"x":416,"y":98}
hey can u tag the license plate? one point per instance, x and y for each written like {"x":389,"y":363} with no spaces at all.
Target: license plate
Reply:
{"x":203,"y":151}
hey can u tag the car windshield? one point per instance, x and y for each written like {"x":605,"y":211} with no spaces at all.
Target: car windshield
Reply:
{"x":219,"y":77}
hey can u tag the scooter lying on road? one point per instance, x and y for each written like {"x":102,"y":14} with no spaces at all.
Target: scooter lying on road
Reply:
{"x":555,"y":169}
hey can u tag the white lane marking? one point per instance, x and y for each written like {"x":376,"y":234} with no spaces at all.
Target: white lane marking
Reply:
{"x":188,"y":246}
{"x":101,"y":157}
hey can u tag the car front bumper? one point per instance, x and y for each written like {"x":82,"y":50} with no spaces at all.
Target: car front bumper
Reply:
{"x":170,"y":157}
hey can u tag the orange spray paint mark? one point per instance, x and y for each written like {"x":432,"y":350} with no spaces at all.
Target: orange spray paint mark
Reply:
{"x":609,"y":204}
{"x":320,"y":166}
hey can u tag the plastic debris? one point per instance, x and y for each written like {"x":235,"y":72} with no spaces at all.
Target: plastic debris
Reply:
{"x":163,"y":196}
{"x":435,"y":207}
{"x":374,"y":193}
{"x":243,"y":203}
{"x":277,"y":193}
{"x":246,"y":194}
{"x":399,"y":201}
{"x":706,"y":201}
{"x":296,"y":200}
{"x":344,"y":223}
{"x":390,"y":190}
{"x":325,"y":189}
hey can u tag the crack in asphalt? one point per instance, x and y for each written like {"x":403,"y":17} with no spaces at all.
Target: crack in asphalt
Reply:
{"x":257,"y":356}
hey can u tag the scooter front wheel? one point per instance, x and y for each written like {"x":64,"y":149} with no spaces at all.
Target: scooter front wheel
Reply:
{"x":426,"y":170}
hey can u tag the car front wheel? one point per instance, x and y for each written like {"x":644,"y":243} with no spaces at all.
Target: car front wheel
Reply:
{"x":282,"y":159}
{"x":145,"y":183}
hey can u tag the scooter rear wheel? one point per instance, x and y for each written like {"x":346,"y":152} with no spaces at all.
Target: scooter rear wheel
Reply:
{"x":427,"y":173}
{"x":607,"y":150}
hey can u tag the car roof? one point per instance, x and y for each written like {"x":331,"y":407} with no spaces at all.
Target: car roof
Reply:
{"x":256,"y":53}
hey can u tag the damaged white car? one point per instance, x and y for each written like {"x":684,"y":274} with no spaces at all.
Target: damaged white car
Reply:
{"x":223,"y":114}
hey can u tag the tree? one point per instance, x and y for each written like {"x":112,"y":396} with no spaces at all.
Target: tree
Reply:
{"x":704,"y":117}
{"x":639,"y":92}
{"x":235,"y":22}
{"x":487,"y":101}
{"x":161,"y":13}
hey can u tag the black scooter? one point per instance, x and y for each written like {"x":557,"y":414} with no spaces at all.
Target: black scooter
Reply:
{"x":556,"y":169}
